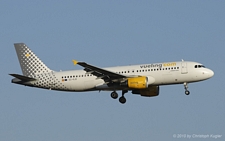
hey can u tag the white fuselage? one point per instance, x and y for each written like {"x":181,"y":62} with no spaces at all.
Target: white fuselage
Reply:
{"x":158,"y":74}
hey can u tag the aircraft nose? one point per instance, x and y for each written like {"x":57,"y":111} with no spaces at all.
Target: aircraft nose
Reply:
{"x":210,"y":73}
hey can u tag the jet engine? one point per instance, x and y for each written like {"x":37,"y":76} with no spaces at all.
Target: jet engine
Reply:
{"x":138,"y":82}
{"x":148,"y":92}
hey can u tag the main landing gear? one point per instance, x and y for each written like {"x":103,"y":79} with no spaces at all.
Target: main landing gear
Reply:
{"x":122,"y":99}
{"x":114,"y":95}
{"x":186,"y":88}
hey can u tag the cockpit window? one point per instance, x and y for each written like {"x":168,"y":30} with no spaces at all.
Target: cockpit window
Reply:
{"x":199,"y":66}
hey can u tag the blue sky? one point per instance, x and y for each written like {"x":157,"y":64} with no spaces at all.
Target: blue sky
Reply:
{"x":112,"y":33}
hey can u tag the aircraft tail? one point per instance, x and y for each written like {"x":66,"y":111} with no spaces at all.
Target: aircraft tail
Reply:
{"x":29,"y":62}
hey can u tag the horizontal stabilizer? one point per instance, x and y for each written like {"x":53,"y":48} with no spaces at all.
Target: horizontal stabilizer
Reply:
{"x":23,"y":78}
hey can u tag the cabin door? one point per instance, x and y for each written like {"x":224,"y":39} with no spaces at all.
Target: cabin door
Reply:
{"x":184,"y":68}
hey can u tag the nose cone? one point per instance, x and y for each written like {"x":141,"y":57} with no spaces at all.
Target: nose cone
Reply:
{"x":210,"y":73}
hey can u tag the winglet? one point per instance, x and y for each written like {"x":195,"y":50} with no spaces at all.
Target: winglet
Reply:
{"x":75,"y":62}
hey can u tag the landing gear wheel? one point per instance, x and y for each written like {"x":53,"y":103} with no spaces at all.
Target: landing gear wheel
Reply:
{"x":187,"y":92}
{"x":122,"y":99}
{"x":114,"y":95}
{"x":186,"y":88}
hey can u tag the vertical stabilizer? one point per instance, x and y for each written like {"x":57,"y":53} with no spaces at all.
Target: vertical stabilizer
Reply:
{"x":29,"y":62}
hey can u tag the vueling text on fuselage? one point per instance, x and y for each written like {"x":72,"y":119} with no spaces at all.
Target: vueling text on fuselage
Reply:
{"x":158,"y":65}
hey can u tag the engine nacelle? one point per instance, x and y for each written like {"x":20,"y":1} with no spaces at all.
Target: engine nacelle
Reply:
{"x":141,"y":82}
{"x":137,"y":82}
{"x":148,"y":92}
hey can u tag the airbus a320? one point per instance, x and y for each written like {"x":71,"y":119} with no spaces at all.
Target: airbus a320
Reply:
{"x":143,"y":79}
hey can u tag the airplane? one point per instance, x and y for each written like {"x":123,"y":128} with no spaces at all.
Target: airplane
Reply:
{"x":143,"y":80}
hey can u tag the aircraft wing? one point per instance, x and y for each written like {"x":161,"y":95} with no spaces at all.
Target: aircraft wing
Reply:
{"x":106,"y":75}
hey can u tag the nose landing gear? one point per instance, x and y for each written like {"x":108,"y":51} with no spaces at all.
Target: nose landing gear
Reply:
{"x":186,"y":88}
